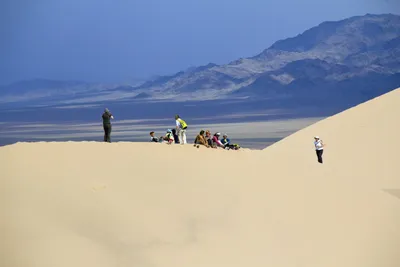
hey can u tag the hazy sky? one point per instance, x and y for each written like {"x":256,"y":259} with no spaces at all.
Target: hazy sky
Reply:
{"x":119,"y":40}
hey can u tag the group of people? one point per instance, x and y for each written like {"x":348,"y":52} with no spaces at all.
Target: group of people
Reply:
{"x":204,"y":138}
{"x":177,"y":135}
{"x":170,"y":137}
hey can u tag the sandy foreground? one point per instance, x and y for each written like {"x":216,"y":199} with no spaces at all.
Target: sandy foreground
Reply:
{"x":81,"y":204}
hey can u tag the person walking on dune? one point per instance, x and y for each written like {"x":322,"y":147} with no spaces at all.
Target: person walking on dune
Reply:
{"x":107,"y":116}
{"x":319,"y":148}
{"x":181,"y":127}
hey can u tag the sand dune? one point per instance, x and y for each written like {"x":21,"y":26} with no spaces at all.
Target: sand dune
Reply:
{"x":135,"y":204}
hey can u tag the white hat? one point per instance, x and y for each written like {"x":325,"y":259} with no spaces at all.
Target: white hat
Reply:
{"x":316,"y":137}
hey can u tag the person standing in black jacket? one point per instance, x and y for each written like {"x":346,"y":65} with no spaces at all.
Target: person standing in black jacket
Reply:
{"x":107,"y":116}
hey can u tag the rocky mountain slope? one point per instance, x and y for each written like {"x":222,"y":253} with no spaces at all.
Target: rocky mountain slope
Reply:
{"x":330,"y":53}
{"x":356,"y":58}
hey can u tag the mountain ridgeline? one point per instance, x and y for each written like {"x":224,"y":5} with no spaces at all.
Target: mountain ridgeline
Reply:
{"x":353,"y":59}
{"x":329,"y":58}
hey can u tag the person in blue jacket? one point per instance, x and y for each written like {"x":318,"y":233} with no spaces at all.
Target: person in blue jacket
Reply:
{"x":225,"y":141}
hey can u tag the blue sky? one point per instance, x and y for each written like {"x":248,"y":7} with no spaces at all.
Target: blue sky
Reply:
{"x":122,"y":40}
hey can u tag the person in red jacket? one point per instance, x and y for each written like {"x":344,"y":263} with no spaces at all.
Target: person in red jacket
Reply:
{"x":216,"y":140}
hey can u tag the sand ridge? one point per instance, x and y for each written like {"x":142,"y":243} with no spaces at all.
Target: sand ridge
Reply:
{"x":140,"y":204}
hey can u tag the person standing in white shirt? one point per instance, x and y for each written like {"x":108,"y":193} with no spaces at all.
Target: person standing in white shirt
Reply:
{"x":181,"y":127}
{"x":319,"y":148}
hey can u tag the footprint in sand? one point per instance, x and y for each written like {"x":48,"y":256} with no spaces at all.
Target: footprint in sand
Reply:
{"x":99,"y":188}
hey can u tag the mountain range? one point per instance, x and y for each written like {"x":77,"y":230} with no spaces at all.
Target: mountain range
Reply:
{"x":351,"y":60}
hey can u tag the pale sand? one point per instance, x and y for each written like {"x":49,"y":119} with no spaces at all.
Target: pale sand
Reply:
{"x":81,"y":204}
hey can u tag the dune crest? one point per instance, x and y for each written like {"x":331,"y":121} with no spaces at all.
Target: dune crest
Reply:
{"x":133,"y":204}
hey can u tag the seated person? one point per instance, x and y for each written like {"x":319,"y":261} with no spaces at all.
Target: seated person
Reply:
{"x":225,"y":141}
{"x":200,"y":140}
{"x":216,"y":140}
{"x":169,"y":137}
{"x":209,"y":138}
{"x":154,"y":139}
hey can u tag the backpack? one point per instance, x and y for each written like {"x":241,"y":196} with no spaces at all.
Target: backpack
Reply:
{"x":183,"y":123}
{"x":235,"y":146}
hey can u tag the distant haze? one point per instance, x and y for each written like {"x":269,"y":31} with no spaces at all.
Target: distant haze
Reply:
{"x":121,"y":40}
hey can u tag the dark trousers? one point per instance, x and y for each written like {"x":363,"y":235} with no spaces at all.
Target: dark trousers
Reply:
{"x":319,"y":155}
{"x":107,"y":132}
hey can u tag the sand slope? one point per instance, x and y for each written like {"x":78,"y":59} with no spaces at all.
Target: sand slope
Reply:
{"x":133,"y":204}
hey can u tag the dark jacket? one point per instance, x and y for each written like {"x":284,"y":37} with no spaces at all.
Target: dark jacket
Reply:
{"x":106,"y":118}
{"x":225,"y":141}
{"x":176,"y":137}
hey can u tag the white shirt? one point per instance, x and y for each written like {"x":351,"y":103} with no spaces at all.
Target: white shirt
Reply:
{"x":318,"y":145}
{"x":178,"y":124}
